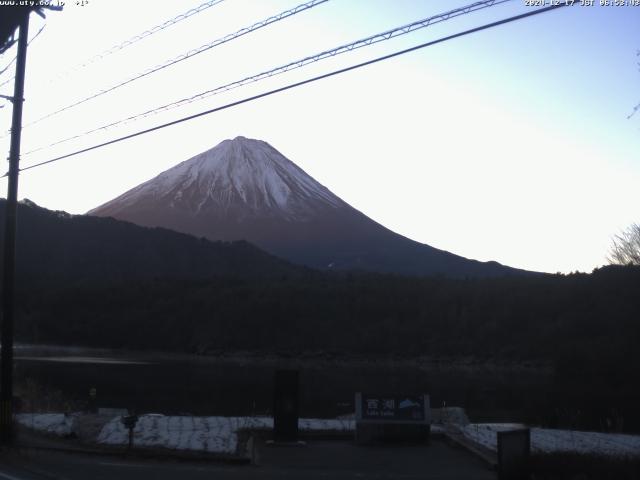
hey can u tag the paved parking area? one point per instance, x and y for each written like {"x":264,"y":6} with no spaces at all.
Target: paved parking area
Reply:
{"x":344,"y":459}
{"x":335,"y":459}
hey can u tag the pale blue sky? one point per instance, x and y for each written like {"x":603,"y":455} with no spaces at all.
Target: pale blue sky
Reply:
{"x":510,"y":144}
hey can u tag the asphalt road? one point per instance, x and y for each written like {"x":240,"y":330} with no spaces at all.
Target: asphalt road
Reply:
{"x":316,"y":460}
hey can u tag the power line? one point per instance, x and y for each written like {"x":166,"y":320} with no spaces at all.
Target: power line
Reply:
{"x":304,"y":82}
{"x":10,"y":42}
{"x":14,"y":58}
{"x":364,"y":42}
{"x":143,"y":35}
{"x":7,"y":68}
{"x":189,"y":54}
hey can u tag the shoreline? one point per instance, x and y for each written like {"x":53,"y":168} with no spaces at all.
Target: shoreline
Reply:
{"x":287,"y":360}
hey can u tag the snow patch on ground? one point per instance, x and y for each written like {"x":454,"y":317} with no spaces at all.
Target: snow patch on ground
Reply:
{"x":202,"y":434}
{"x":52,"y":423}
{"x":544,"y":440}
{"x":208,"y":434}
{"x":329,"y":425}
{"x":449,"y":415}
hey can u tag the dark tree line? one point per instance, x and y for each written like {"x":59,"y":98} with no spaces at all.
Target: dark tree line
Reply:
{"x":586,"y":325}
{"x":516,"y":317}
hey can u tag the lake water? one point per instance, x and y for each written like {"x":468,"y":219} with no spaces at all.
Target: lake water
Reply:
{"x":242,"y":385}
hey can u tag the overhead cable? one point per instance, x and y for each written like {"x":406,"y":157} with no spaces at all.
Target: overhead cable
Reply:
{"x":136,"y":38}
{"x":304,"y":82}
{"x":15,"y":57}
{"x":189,"y":54}
{"x":364,"y":42}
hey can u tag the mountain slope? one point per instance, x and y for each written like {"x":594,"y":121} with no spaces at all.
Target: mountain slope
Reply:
{"x":246,"y":189}
{"x":59,"y":248}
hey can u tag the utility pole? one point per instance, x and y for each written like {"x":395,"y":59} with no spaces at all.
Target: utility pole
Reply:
{"x":8,"y":271}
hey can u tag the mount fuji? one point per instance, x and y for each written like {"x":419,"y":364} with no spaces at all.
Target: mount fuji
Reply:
{"x":244,"y":189}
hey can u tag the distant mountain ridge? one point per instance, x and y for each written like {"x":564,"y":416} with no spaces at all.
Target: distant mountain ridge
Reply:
{"x":246,"y":189}
{"x":54,"y":246}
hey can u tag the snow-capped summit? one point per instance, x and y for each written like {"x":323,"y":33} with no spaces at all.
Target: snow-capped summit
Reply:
{"x":246,"y":176}
{"x":244,"y":189}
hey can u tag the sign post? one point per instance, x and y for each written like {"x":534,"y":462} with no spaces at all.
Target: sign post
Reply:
{"x":392,"y":417}
{"x":129,"y":421}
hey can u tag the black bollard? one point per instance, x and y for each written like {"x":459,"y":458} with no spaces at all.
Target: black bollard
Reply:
{"x":286,"y":406}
